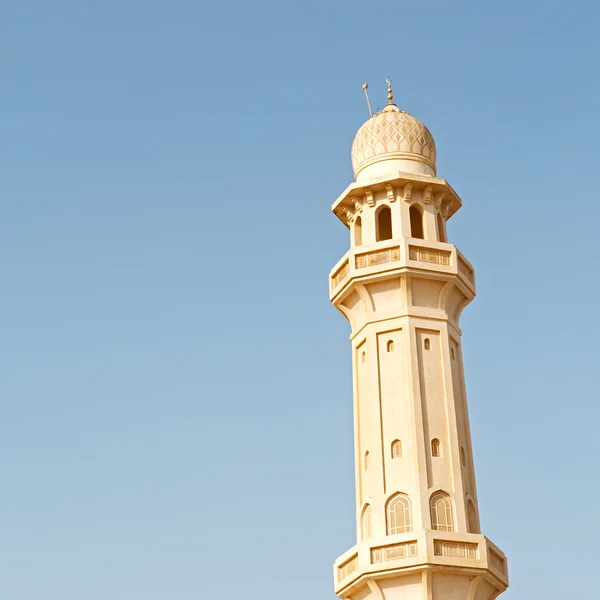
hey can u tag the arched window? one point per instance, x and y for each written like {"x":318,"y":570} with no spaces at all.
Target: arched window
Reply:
{"x":427,"y":344}
{"x":358,"y":231}
{"x":436,"y":447}
{"x":452,"y":353}
{"x":416,"y":223}
{"x":363,"y":357}
{"x":441,"y":512}
{"x":441,"y":228}
{"x":390,"y":346}
{"x":396,"y":449}
{"x":366,"y":462}
{"x":366,"y":525}
{"x":463,"y":456}
{"x":398,"y":514}
{"x":384,"y":224}
{"x":472,"y":517}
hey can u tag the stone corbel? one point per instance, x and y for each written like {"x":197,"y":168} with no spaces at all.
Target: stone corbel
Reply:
{"x":447,"y":208}
{"x":357,"y":204}
{"x":369,"y":197}
{"x":439,"y":197}
{"x":349,"y":215}
{"x":427,"y":194}
{"x":407,"y":192}
{"x":390,"y":193}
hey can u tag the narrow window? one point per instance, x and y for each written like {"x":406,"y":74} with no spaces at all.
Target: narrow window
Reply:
{"x":398,"y":514}
{"x":435,"y":447}
{"x":416,"y":223}
{"x":427,"y":344}
{"x":367,"y":460}
{"x":390,"y":346}
{"x":463,"y":456}
{"x":441,"y":512}
{"x":367,"y":522}
{"x":396,"y":449}
{"x":441,"y":228}
{"x":358,"y":231}
{"x":471,"y":517}
{"x":384,"y":224}
{"x":452,"y":353}
{"x":363,"y":357}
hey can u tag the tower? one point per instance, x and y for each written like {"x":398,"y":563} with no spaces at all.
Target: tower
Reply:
{"x":402,"y":286}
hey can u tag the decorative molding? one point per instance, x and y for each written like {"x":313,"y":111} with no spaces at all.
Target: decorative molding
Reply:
{"x":439,"y":197}
{"x":407,"y":192}
{"x":369,"y":197}
{"x":390,"y":193}
{"x":357,"y":204}
{"x":349,"y":215}
{"x":427,"y":193}
{"x":447,"y":209}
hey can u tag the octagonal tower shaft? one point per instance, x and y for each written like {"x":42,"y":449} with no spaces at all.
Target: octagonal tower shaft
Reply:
{"x":403,"y":287}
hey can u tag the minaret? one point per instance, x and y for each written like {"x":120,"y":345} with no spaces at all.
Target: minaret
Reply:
{"x":402,"y":286}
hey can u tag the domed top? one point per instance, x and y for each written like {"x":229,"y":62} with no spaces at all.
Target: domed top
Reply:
{"x":393,"y":140}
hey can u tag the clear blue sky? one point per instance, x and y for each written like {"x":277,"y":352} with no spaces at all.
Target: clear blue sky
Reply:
{"x":176,"y":389}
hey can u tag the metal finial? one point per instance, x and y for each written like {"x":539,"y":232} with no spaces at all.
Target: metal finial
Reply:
{"x":390,"y":97}
{"x":366,"y":87}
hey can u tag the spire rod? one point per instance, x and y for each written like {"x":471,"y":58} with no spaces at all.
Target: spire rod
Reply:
{"x":366,"y":87}
{"x":390,"y":96}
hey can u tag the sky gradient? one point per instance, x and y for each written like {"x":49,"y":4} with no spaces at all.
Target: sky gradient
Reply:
{"x":176,"y":388}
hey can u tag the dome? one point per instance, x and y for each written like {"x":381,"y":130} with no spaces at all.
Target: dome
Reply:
{"x":392,"y":140}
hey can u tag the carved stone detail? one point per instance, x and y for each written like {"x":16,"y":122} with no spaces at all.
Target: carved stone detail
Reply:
{"x":439,"y":197}
{"x":390,"y":193}
{"x":369,"y":197}
{"x":427,"y":192}
{"x":357,"y":204}
{"x":407,"y":192}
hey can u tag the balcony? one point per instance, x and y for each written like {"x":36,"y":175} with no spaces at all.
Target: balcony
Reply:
{"x":418,"y":550}
{"x":406,"y":253}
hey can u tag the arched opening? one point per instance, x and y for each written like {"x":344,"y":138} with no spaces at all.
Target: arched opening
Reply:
{"x":390,"y":346}
{"x":441,"y":512}
{"x":367,"y":522}
{"x":463,"y":456}
{"x":436,"y":447}
{"x":358,"y":231}
{"x":427,"y":344}
{"x":396,"y":449}
{"x":441,"y":228}
{"x":452,"y":353}
{"x":363,"y":357}
{"x":398,"y":514}
{"x":384,"y":224}
{"x":416,"y":223}
{"x":366,"y":461}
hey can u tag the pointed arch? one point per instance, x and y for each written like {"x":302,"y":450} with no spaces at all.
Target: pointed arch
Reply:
{"x":416,"y":222}
{"x":396,"y":449}
{"x":366,"y":522}
{"x":383,"y":224}
{"x":390,"y":346}
{"x":436,"y":447}
{"x":442,"y":516}
{"x":398,"y":513}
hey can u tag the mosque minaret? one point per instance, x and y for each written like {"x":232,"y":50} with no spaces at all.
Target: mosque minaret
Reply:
{"x":402,"y":286}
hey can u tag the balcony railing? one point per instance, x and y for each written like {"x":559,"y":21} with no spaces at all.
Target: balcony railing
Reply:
{"x":405,"y":253}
